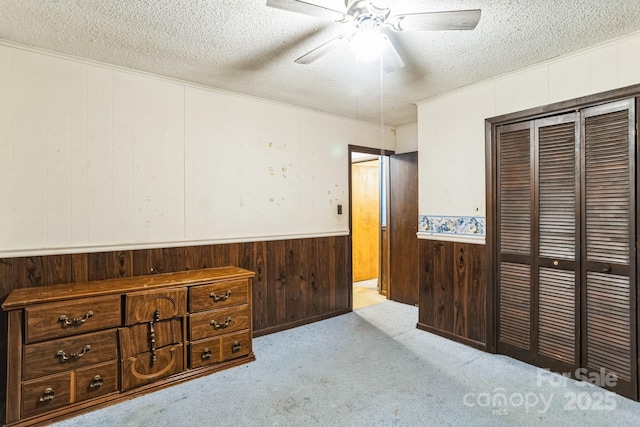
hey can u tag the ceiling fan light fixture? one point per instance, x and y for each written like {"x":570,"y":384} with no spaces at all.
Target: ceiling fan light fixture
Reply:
{"x":367,"y":42}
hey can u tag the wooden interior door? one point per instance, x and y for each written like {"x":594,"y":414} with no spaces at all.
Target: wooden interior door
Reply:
{"x":403,"y":228}
{"x":365,"y":199}
{"x":609,"y":288}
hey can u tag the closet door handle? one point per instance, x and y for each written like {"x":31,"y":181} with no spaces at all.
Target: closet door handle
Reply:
{"x":606,"y":268}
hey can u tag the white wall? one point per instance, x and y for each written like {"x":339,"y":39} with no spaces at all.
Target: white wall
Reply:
{"x":95,"y":157}
{"x":452,"y":131}
{"x":407,"y":138}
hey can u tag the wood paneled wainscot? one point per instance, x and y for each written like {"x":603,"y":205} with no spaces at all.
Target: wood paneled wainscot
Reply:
{"x":452,"y":291}
{"x":76,"y":347}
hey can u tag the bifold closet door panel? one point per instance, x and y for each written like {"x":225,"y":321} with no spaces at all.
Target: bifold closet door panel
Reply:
{"x":514,"y":203}
{"x":557,"y":304}
{"x":609,"y":333}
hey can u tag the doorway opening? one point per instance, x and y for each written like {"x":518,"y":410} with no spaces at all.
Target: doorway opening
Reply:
{"x":368,"y":215}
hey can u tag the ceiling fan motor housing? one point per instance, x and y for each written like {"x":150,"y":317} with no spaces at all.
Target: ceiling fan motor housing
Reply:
{"x":361,"y":10}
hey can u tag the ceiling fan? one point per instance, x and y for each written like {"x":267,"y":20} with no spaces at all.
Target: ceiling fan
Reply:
{"x":368,"y":22}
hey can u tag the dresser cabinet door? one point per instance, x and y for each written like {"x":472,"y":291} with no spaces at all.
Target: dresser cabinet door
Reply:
{"x":141,"y":369}
{"x":61,"y":319}
{"x":66,"y":354}
{"x":152,"y":306}
{"x":138,"y":338}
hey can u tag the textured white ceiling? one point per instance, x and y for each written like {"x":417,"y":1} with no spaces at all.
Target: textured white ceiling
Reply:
{"x":246,"y":47}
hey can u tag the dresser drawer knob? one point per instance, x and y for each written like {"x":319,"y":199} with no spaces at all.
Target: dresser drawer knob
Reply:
{"x":218,"y":298}
{"x":206,"y":354}
{"x":75,"y":321}
{"x":217,"y":326}
{"x":47,"y":394}
{"x":96,"y":381}
{"x":235,"y":347}
{"x":63,"y":356}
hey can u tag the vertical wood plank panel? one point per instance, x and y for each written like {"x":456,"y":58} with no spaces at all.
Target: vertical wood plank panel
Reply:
{"x":148,"y":261}
{"x":58,"y":153}
{"x":78,"y":142}
{"x":80,"y":266}
{"x":426,"y":313}
{"x":260,"y":285}
{"x":444,"y":286}
{"x":100,"y":156}
{"x":123,"y":207}
{"x":6,"y":149}
{"x":453,"y":289}
{"x":110,"y":265}
{"x":277,"y":283}
{"x":29,"y":149}
{"x":29,"y":272}
{"x":6,"y":276}
{"x":342,"y":284}
{"x":59,"y":269}
{"x":326,"y":276}
{"x":460,"y":289}
{"x":308,"y":273}
{"x":294,"y":282}
{"x":476,"y":309}
{"x":174,"y":259}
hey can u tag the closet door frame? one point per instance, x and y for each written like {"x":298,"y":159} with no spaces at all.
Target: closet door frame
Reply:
{"x":491,"y":125}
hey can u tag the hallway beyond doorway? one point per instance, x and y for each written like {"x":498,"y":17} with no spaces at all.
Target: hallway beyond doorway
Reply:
{"x":365,"y":293}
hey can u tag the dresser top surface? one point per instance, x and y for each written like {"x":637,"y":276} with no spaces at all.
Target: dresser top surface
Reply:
{"x":20,"y":298}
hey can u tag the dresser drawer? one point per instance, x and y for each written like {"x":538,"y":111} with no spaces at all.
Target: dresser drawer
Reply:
{"x":218,"y":322}
{"x":139,"y":369}
{"x":96,"y":380}
{"x":73,"y":317}
{"x":215,"y":295}
{"x":205,"y":352}
{"x":136,"y":339}
{"x":66,"y":354}
{"x":46,"y":394}
{"x":236,"y":345}
{"x":155,"y":305}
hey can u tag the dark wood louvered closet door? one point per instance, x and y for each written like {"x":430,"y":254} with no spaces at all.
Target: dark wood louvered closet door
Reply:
{"x":514,"y":240}
{"x":538,"y":302}
{"x":564,"y":239}
{"x":556,"y":294}
{"x":609,"y":288}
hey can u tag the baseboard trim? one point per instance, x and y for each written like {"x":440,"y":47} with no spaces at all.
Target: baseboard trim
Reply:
{"x":301,"y":322}
{"x":453,"y":337}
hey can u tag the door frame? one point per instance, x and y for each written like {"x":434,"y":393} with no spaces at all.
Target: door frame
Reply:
{"x":376,"y":152}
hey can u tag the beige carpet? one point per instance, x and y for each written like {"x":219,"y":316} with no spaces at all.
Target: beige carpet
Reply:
{"x":366,"y":294}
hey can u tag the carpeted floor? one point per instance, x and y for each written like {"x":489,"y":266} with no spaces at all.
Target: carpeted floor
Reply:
{"x":369,"y":368}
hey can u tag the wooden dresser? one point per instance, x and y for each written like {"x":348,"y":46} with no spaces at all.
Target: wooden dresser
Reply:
{"x":76,"y":347}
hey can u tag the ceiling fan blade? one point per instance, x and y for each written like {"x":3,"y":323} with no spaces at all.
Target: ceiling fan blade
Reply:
{"x":436,"y":21}
{"x":391,"y":59}
{"x":308,"y":9}
{"x":323,"y":49}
